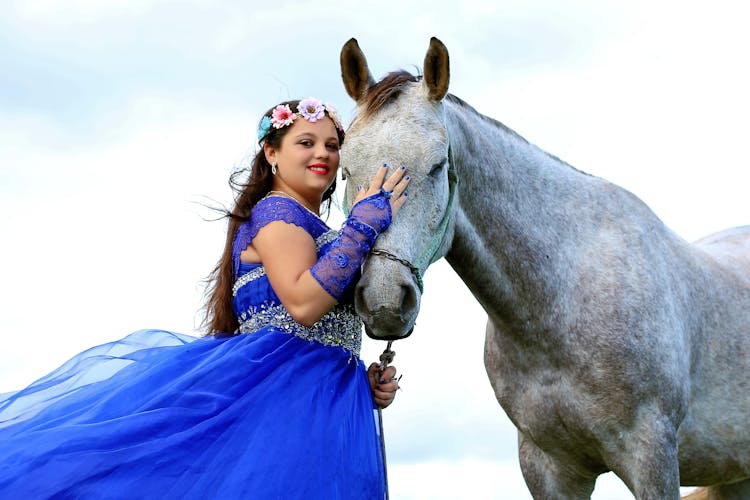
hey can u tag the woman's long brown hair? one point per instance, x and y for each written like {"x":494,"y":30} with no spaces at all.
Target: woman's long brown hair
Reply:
{"x":249,"y":185}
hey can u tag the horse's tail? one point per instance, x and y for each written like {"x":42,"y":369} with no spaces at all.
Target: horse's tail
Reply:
{"x":699,"y":494}
{"x":740,"y":489}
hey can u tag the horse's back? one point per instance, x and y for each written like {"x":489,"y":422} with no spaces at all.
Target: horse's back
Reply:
{"x":719,"y":412}
{"x":736,"y":234}
{"x":724,"y":259}
{"x":730,"y":245}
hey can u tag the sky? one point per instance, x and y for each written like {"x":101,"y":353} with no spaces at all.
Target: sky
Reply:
{"x":120,"y":121}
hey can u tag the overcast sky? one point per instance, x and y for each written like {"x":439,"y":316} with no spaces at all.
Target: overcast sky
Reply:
{"x":120,"y":119}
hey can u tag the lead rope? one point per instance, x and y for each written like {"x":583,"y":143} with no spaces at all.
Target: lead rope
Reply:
{"x":385,"y":359}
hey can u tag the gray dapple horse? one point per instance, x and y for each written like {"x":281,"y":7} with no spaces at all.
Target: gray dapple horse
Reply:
{"x":612,"y":344}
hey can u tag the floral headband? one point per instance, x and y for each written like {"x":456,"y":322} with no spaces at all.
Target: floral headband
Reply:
{"x":311,"y":109}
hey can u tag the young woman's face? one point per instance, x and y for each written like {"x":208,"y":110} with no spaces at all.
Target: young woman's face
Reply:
{"x":307,"y":159}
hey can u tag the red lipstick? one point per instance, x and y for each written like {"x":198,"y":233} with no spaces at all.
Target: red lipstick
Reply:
{"x":318,"y":168}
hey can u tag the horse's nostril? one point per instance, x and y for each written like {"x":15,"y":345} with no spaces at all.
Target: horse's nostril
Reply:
{"x":359,"y":297}
{"x":408,"y":300}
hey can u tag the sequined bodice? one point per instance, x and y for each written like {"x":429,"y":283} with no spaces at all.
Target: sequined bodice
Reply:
{"x":254,"y":300}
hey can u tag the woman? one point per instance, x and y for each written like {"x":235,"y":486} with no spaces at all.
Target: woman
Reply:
{"x":275,"y":402}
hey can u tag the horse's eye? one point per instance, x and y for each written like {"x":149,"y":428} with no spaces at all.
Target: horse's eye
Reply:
{"x":438,"y":167}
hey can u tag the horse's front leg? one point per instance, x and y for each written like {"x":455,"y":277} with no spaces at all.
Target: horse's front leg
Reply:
{"x":645,"y":457}
{"x":547,"y":479}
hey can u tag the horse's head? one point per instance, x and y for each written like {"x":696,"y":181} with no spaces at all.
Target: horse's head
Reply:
{"x":400,"y":121}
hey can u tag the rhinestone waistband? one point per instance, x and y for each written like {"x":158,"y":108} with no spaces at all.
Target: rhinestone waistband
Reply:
{"x":338,"y":327}
{"x":246,"y":278}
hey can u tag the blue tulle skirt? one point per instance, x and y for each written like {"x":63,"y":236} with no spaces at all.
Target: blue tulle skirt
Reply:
{"x":160,"y":415}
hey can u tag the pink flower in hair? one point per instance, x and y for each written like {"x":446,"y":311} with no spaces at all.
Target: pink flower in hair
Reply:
{"x":311,"y":109}
{"x":282,"y":116}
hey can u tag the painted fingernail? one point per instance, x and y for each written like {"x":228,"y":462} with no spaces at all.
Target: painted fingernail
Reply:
{"x":402,"y":167}
{"x":407,"y":177}
{"x":359,"y":187}
{"x":406,"y":194}
{"x":385,"y":165}
{"x":382,"y":381}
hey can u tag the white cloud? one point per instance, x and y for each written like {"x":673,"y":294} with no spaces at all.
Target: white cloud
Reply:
{"x":106,"y":238}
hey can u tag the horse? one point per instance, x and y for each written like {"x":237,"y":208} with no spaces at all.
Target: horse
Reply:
{"x":611,"y":343}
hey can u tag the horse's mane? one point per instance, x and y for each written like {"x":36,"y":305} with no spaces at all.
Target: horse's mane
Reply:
{"x":386,"y":90}
{"x":466,"y":106}
{"x":389,"y":88}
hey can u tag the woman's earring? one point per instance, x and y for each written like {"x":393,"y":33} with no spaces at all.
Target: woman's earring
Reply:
{"x":273,"y":168}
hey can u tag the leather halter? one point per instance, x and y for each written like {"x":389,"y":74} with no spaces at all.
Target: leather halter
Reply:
{"x":429,"y":255}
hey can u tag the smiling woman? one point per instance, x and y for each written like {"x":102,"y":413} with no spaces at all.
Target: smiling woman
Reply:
{"x":274,"y":401}
{"x":310,"y":155}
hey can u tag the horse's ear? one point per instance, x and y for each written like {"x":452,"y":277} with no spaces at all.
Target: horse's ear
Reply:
{"x":437,"y":70}
{"x":354,"y":70}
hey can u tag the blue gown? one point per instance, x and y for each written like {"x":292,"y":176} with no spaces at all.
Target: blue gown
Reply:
{"x":279,"y":411}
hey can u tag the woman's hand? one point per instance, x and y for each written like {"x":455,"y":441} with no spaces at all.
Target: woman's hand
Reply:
{"x":395,"y":185}
{"x":383,"y":386}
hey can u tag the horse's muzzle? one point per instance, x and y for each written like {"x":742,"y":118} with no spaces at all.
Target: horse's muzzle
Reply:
{"x":372,"y":335}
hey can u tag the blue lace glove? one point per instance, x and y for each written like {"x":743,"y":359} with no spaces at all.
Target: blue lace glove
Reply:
{"x":339,"y":265}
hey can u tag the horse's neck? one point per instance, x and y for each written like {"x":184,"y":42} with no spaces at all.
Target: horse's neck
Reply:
{"x":520,"y":217}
